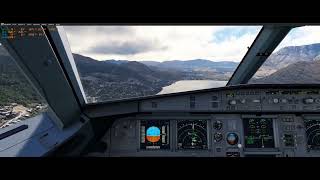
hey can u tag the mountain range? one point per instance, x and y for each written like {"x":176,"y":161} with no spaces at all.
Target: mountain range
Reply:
{"x":117,"y":79}
{"x":291,"y":54}
{"x":287,"y":56}
{"x":194,"y":65}
{"x":301,"y":72}
{"x":110,"y":80}
{"x":291,"y":64}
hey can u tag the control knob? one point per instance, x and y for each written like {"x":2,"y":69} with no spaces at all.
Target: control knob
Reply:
{"x":217,"y":137}
{"x":217,"y":125}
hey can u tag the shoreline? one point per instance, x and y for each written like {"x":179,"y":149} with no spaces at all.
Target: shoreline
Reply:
{"x":189,"y":85}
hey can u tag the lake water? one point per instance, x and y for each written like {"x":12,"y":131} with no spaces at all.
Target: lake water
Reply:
{"x":189,"y":85}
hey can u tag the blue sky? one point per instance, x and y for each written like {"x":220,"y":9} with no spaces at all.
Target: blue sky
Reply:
{"x":301,"y":36}
{"x":236,"y":32}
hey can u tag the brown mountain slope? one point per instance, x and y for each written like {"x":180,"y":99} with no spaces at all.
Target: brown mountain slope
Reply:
{"x":300,"y":72}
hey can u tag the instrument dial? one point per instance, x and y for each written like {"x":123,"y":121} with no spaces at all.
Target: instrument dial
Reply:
{"x":192,"y":134}
{"x":232,"y":138}
{"x":217,"y":125}
{"x":313,"y":134}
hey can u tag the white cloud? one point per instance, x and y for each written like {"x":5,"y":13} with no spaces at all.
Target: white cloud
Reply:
{"x":163,"y":42}
{"x":301,"y":36}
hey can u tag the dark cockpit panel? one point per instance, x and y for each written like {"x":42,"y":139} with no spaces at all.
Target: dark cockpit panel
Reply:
{"x":262,"y":129}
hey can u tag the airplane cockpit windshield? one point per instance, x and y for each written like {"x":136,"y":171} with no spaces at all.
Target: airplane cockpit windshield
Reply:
{"x":121,"y":62}
{"x":160,"y":90}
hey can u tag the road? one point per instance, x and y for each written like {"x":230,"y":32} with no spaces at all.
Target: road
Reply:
{"x":13,"y":119}
{"x":18,"y":109}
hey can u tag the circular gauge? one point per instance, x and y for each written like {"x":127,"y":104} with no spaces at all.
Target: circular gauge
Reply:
{"x":217,"y":137}
{"x":232,"y":138}
{"x":217,"y":125}
{"x":192,"y":134}
{"x":153,"y":134}
{"x":313,"y":134}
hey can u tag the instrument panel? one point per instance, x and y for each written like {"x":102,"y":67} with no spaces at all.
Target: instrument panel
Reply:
{"x":239,"y":100}
{"x":216,"y":135}
{"x":225,"y":123}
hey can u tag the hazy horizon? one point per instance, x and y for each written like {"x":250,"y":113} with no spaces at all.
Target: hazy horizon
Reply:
{"x":156,"y":60}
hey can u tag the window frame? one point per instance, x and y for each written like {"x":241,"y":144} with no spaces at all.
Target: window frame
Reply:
{"x":265,"y":43}
{"x":36,"y":57}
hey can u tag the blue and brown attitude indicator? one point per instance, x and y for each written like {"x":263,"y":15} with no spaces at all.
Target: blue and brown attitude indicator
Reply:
{"x":153,"y":134}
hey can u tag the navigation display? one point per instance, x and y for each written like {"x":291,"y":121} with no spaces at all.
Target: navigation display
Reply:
{"x":192,"y":134}
{"x":258,"y":132}
{"x":154,"y":134}
{"x":313,"y":134}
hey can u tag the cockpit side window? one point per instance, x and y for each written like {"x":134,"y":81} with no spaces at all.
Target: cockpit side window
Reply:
{"x":296,"y":60}
{"x":18,"y":100}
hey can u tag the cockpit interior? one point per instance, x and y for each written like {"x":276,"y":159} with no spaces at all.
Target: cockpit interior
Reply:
{"x":266,"y":104}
